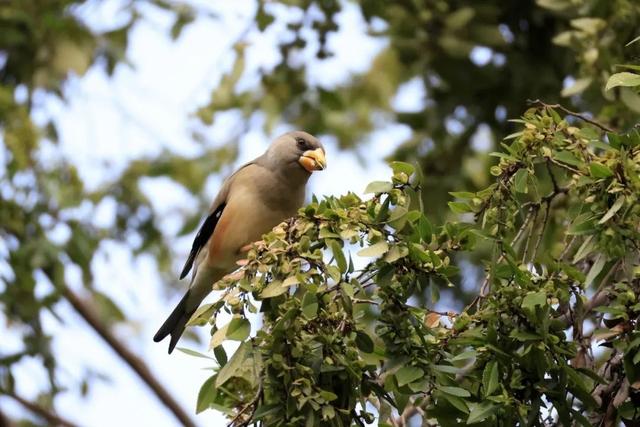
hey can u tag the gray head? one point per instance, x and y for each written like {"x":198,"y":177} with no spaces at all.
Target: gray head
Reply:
{"x":296,"y":153}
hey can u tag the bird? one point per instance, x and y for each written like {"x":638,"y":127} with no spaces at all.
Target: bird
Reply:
{"x":258,"y":196}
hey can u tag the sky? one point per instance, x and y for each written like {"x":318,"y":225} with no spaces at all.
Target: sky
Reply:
{"x":105,"y":122}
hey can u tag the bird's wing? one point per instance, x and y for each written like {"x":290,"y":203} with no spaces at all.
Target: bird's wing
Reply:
{"x":209,"y":225}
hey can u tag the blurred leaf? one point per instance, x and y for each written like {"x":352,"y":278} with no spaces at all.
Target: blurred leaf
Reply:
{"x":623,"y":79}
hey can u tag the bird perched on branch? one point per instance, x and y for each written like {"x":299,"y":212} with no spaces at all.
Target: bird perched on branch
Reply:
{"x":257,"y":197}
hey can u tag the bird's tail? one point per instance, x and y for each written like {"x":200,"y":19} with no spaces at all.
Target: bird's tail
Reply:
{"x":175,"y":323}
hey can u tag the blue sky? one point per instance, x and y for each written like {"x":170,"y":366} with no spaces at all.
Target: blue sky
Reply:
{"x":106,"y":122}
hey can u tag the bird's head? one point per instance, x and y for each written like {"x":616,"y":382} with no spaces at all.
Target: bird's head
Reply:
{"x":298,"y":149}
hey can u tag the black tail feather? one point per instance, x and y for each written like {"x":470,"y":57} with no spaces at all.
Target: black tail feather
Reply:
{"x":175,"y":324}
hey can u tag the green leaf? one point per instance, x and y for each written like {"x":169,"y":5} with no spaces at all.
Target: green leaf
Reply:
{"x":375,"y":250}
{"x":328,"y":396}
{"x":238,"y":329}
{"x":578,"y":86}
{"x":446,"y":368}
{"x":333,"y":272}
{"x":425,"y":229}
{"x":456,"y":402}
{"x":577,"y":415}
{"x":395,"y":253}
{"x":383,"y":212}
{"x":273,"y":289}
{"x":454,"y":391}
{"x":202,"y":315}
{"x":464,"y":356}
{"x":533,"y":299}
{"x":623,"y":79}
{"x":326,"y":233}
{"x":408,"y":374}
{"x":398,"y":218}
{"x":218,"y":336}
{"x":595,"y":269}
{"x":402,"y":167}
{"x":338,"y":255}
{"x":206,"y":395}
{"x":520,"y":180}
{"x":460,"y":207}
{"x":378,"y":187}
{"x":582,"y":224}
{"x":599,"y":170}
{"x":290,"y":281}
{"x":612,"y":211}
{"x":234,"y":365}
{"x":264,"y":410}
{"x":567,"y":157}
{"x":193,"y":353}
{"x":589,"y":25}
{"x":481,"y":412}
{"x":364,"y":342}
{"x":463,"y":194}
{"x":310,"y":305}
{"x":490,"y":378}
{"x":221,"y":355}
{"x":311,"y":420}
{"x":556,"y":5}
{"x":524,"y":335}
{"x":588,"y":246}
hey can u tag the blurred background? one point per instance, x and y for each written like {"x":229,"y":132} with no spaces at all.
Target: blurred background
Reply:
{"x":119,"y":119}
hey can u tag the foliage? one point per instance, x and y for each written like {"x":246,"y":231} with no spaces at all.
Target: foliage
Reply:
{"x":555,"y":232}
{"x":46,"y":212}
{"x":552,"y":338}
{"x":555,"y":229}
{"x":476,"y":62}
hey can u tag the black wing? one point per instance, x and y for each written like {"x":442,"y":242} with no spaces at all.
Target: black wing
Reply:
{"x":205,"y":232}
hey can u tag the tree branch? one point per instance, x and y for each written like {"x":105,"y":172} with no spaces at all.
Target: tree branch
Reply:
{"x":51,"y":418}
{"x":599,"y":298}
{"x":5,"y":421}
{"x":571,"y":113}
{"x":134,"y":362}
{"x":253,"y":404}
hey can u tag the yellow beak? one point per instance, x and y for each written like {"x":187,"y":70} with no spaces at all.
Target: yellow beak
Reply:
{"x":313,"y":160}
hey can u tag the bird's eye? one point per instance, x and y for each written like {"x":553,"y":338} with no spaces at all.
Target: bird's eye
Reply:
{"x":302,"y":144}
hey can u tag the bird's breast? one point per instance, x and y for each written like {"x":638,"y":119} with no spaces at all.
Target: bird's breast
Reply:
{"x":244,"y":220}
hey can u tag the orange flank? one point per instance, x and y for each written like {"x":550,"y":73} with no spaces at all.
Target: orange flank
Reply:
{"x":217,"y":240}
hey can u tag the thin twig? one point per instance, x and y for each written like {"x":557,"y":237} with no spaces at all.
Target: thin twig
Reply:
{"x":545,"y":219}
{"x":527,"y":242}
{"x":252,"y":404}
{"x":552,"y":176}
{"x":562,"y":165}
{"x":567,"y":248}
{"x":364,"y":301}
{"x":571,"y":113}
{"x":598,"y":299}
{"x":484,"y":289}
{"x":443,"y":313}
{"x":51,"y":418}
